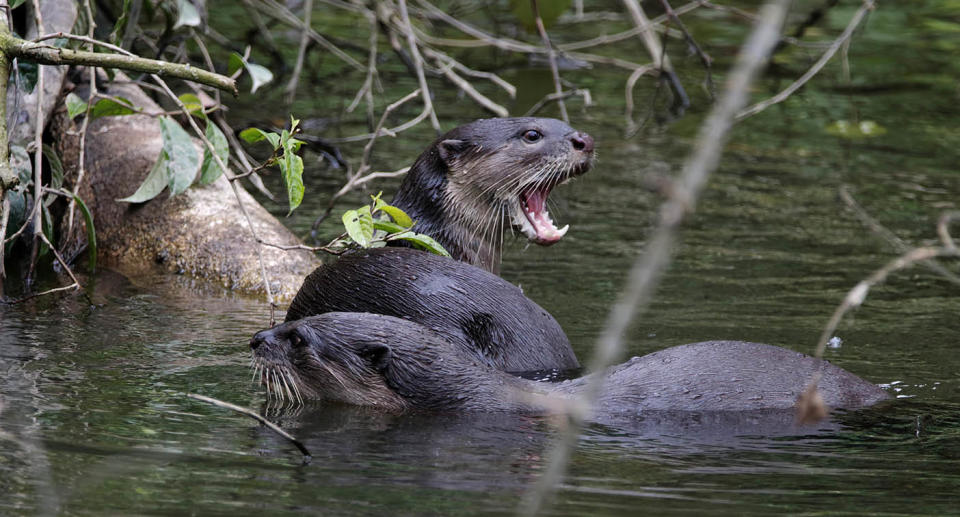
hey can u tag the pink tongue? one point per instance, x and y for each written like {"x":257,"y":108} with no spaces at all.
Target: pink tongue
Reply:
{"x":546,"y":231}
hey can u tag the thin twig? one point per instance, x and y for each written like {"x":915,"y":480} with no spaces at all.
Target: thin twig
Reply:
{"x":366,"y":90}
{"x":38,"y":295}
{"x":91,"y":25}
{"x":856,"y":296}
{"x":552,"y":58}
{"x":649,"y":267}
{"x":66,"y":267}
{"x":467,"y":88}
{"x":705,"y":59}
{"x":37,"y":158}
{"x":252,"y":414}
{"x":418,"y":65}
{"x":278,"y":11}
{"x":657,"y":52}
{"x":465,"y":70}
{"x":655,"y":24}
{"x":868,"y":5}
{"x":357,"y":178}
{"x":4,"y":217}
{"x":301,"y":52}
{"x":943,"y":228}
{"x":896,"y":242}
{"x":550,"y":97}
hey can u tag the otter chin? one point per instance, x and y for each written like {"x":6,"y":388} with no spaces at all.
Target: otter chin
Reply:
{"x":474,"y":182}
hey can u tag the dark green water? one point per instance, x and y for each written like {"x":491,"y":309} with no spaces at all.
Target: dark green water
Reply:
{"x":93,"y":417}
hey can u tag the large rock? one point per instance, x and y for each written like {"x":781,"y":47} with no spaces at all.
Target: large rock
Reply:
{"x":201,"y":232}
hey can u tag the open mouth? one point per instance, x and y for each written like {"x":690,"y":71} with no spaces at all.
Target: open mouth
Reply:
{"x":531,"y":217}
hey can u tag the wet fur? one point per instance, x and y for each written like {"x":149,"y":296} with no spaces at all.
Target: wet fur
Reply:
{"x":481,"y":314}
{"x":426,"y":372}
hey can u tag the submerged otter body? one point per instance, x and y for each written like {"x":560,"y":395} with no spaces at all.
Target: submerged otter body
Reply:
{"x":476,"y":311}
{"x":387,"y":362}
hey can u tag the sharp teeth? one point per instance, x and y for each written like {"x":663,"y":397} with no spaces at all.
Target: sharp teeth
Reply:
{"x":563,"y":231}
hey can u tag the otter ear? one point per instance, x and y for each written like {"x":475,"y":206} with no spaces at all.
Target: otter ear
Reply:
{"x":450,"y":149}
{"x":378,"y":354}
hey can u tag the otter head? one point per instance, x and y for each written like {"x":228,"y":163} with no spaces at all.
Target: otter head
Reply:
{"x":479,"y":177}
{"x":333,"y":356}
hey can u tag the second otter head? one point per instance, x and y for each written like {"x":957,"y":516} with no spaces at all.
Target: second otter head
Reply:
{"x":475,"y":180}
{"x":333,"y":356}
{"x":372,"y":360}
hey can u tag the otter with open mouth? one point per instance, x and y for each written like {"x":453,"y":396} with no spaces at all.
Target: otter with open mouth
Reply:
{"x":394,"y":364}
{"x":463,"y":191}
{"x":475,"y":180}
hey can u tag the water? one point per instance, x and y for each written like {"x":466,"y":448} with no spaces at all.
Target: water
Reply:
{"x":94,"y":418}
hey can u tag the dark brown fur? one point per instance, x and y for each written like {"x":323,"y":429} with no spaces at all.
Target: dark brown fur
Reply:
{"x":396,"y":360}
{"x":478,"y":312}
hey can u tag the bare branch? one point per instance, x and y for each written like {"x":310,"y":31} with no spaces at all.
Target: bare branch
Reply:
{"x":418,"y":64}
{"x":37,"y":159}
{"x":896,"y":242}
{"x":552,"y":58}
{"x":252,"y":414}
{"x":47,"y":55}
{"x":280,"y":12}
{"x":301,"y":52}
{"x":868,"y":5}
{"x":71,"y":207}
{"x":551,"y":97}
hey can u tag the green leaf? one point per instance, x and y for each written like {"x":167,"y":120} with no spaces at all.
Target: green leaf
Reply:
{"x":193,"y":104}
{"x":27,"y":73}
{"x":183,"y":161}
{"x":111,"y":108}
{"x":260,"y":75}
{"x":16,"y":3}
{"x":116,"y":35}
{"x":210,"y":171}
{"x":75,"y":105}
{"x":154,"y":184}
{"x":252,"y":135}
{"x":291,"y":167}
{"x":388,"y":226}
{"x":91,"y":234}
{"x":398,"y":215}
{"x":424,"y":242}
{"x":357,"y":227}
{"x":235,"y":63}
{"x":18,"y":211}
{"x":188,"y":16}
{"x":56,"y":166}
{"x":20,"y":163}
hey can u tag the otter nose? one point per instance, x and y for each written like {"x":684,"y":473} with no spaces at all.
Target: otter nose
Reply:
{"x":257,"y":340}
{"x":582,"y":142}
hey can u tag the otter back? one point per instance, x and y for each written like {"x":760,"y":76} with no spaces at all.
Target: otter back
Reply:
{"x":474,"y":310}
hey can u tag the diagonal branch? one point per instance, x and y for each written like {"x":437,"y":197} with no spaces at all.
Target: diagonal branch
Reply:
{"x":47,"y":55}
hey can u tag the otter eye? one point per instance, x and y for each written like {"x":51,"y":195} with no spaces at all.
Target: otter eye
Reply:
{"x":296,"y":340}
{"x":532,"y":135}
